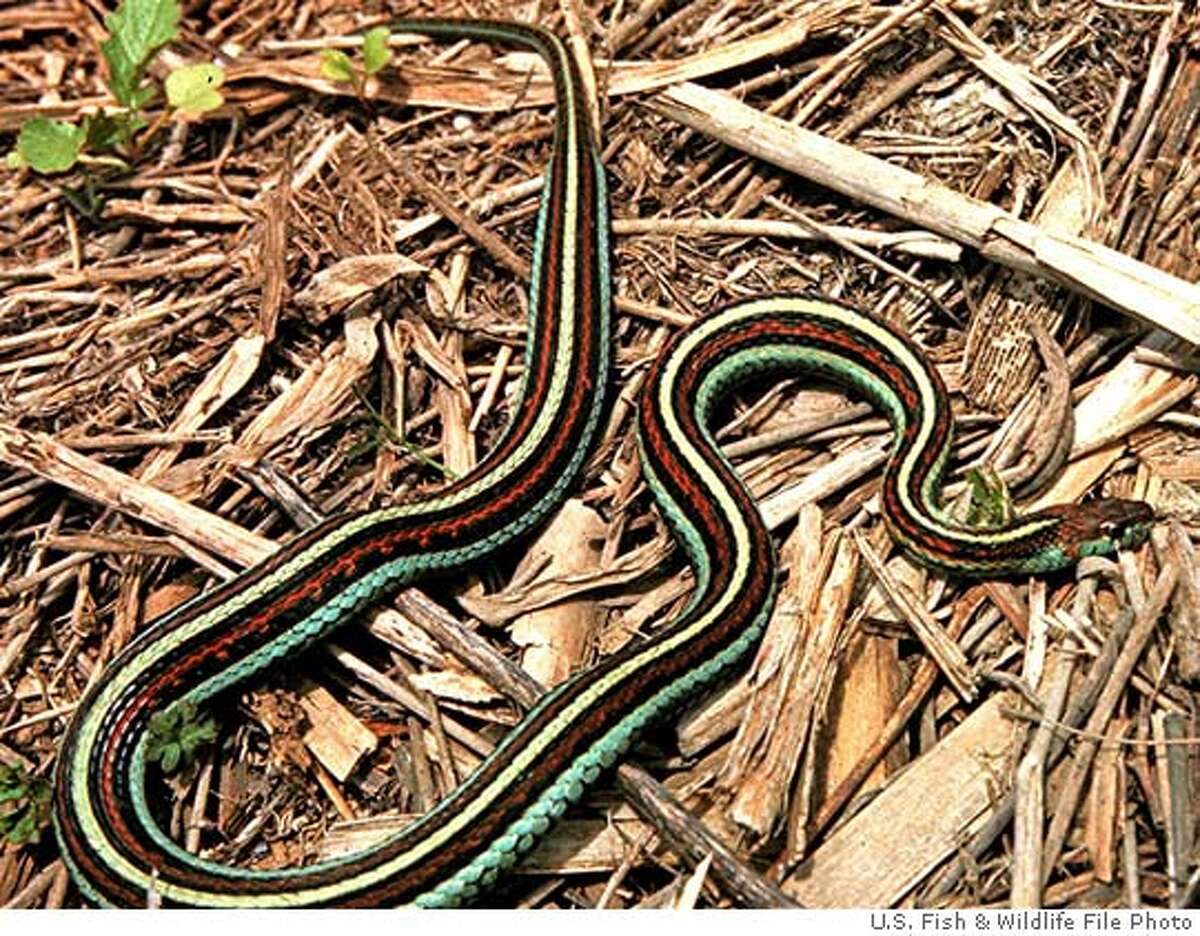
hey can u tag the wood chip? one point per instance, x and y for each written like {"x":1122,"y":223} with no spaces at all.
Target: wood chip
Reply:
{"x":849,"y":870}
{"x":335,"y":736}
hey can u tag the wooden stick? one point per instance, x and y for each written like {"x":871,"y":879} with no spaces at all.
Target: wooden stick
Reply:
{"x":1084,"y":266}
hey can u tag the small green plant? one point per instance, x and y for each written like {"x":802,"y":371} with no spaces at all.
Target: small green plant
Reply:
{"x":381,"y":434}
{"x":336,"y":65}
{"x":176,"y":734}
{"x":138,"y":30}
{"x":991,"y":504}
{"x":24,"y":805}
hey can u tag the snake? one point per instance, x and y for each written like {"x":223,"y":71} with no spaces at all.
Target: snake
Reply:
{"x":111,"y":833}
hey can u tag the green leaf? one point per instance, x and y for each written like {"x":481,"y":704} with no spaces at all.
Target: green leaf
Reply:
{"x":25,"y":830}
{"x":175,"y":735}
{"x":336,"y":66}
{"x":50,"y":145}
{"x":14,"y":160}
{"x":30,"y":797}
{"x":108,"y":131}
{"x":141,"y":97}
{"x":137,"y":29}
{"x":991,"y":504}
{"x":376,"y":54}
{"x":170,"y":757}
{"x":193,"y":88}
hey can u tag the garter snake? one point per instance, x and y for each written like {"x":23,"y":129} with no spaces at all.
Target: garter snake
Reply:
{"x":109,"y":832}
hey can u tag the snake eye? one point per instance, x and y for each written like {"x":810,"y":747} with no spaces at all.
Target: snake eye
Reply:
{"x":1112,"y":529}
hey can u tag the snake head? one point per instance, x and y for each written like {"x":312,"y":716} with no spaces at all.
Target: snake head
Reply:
{"x":1101,"y":527}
